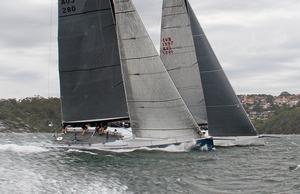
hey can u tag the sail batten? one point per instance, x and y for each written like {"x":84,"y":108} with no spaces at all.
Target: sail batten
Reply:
{"x":167,"y":100}
{"x":142,"y":57}
{"x":89,"y":64}
{"x":155,"y":107}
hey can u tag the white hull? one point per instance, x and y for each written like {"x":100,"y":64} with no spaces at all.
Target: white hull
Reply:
{"x":135,"y":144}
{"x":238,"y":141}
{"x":127,"y":143}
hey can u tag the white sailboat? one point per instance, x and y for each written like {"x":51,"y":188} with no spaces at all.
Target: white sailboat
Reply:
{"x":111,"y":71}
{"x":200,"y":79}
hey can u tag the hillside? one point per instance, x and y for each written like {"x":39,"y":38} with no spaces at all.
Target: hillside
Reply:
{"x":284,"y":121}
{"x":29,"y":114}
{"x":34,"y":115}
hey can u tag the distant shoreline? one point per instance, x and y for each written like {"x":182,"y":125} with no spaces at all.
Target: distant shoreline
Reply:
{"x":33,"y":115}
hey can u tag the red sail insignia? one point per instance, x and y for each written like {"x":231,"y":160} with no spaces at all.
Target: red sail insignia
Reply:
{"x":167,"y":44}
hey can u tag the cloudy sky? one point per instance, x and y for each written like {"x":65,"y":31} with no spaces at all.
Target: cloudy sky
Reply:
{"x":257,"y":42}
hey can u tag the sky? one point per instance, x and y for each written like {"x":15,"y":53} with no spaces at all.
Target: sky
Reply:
{"x":257,"y":42}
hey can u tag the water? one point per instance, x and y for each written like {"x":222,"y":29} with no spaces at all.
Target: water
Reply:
{"x":28,"y":164}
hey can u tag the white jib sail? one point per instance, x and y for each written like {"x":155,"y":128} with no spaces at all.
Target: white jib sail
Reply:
{"x":179,"y":56}
{"x":156,"y":108}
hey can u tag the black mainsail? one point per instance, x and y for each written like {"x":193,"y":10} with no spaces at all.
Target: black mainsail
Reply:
{"x":89,"y":64}
{"x":226,"y":115}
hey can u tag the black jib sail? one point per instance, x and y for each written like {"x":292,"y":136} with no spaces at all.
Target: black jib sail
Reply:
{"x":226,"y":115}
{"x":89,"y":64}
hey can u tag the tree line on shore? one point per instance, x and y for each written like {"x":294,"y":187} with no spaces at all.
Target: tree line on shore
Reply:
{"x":38,"y":114}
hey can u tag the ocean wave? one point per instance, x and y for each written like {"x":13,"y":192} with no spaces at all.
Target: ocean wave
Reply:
{"x":183,"y":147}
{"x":22,"y":148}
{"x":295,"y":167}
{"x":106,"y":187}
{"x":33,"y":180}
{"x":81,"y":151}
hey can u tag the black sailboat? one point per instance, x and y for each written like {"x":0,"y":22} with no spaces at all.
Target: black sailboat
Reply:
{"x":226,"y":115}
{"x":188,"y":48}
{"x":110,"y":70}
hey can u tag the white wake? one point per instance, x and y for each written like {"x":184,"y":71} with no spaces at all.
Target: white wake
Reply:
{"x":183,"y":147}
{"x":81,"y":151}
{"x":22,"y":148}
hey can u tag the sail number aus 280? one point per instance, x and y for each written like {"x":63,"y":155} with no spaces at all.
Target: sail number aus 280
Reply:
{"x":68,"y":9}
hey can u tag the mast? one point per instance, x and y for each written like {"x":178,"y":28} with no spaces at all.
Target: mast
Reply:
{"x":226,"y":115}
{"x":155,"y":107}
{"x":179,"y":56}
{"x":89,"y":64}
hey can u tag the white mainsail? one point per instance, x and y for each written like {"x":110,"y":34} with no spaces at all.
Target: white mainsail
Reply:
{"x":156,"y":108}
{"x":179,"y":56}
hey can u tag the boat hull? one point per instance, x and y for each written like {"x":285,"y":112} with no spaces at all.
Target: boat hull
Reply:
{"x":93,"y":141}
{"x":130,"y":144}
{"x":238,"y":141}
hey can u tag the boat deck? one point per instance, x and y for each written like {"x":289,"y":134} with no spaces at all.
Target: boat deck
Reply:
{"x":90,"y":137}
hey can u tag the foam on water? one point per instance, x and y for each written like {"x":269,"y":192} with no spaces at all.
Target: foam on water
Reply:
{"x":183,"y":147}
{"x":30,"y":181}
{"x":295,"y":167}
{"x":293,"y":143}
{"x":239,"y":141}
{"x":81,"y":151}
{"x":22,"y":148}
{"x":241,"y":170}
{"x":95,"y":188}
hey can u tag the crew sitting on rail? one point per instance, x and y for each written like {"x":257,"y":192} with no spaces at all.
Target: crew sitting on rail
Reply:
{"x":85,"y":128}
{"x":115,"y":133}
{"x":65,"y":127}
{"x":103,"y":128}
{"x":97,"y":129}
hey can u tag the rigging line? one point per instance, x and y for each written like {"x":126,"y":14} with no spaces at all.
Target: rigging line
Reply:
{"x":50,"y":47}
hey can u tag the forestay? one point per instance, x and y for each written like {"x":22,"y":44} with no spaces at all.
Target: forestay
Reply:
{"x":89,"y":64}
{"x":155,"y":107}
{"x":179,"y":57}
{"x":226,"y":115}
